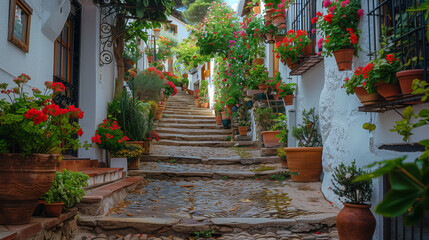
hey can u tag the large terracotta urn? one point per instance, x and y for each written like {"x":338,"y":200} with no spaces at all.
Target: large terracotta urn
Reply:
{"x":270,"y":139}
{"x":305,"y":163}
{"x":23,"y":180}
{"x":355,"y":222}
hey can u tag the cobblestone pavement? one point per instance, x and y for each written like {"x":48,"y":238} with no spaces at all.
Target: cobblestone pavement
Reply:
{"x":181,"y":167}
{"x":207,"y":152}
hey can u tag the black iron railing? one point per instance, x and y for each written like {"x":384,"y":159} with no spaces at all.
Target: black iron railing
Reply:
{"x":302,"y":12}
{"x":406,"y":30}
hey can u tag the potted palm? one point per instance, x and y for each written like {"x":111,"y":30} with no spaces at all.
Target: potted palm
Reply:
{"x":355,"y":221}
{"x":305,"y":161}
{"x":33,"y":132}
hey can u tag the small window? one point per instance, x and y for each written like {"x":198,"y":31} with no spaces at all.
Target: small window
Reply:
{"x":171,"y":28}
{"x":19,"y":24}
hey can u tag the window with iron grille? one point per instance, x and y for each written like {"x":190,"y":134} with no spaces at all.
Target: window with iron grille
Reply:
{"x":301,"y":13}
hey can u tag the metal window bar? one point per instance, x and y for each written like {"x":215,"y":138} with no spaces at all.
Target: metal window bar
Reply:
{"x":407,"y":30}
{"x":303,"y":12}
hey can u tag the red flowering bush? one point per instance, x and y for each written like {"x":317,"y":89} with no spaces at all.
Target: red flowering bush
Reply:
{"x":169,"y":89}
{"x":381,"y":69}
{"x":109,"y":136}
{"x":35,"y":124}
{"x":339,"y":26}
{"x":292,"y":45}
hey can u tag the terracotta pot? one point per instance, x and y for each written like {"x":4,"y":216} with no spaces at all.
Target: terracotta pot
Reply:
{"x":23,"y":180}
{"x":283,"y":162}
{"x":387,"y":90}
{"x":288,"y":99}
{"x":224,"y":115}
{"x":344,"y":58}
{"x":355,"y":222}
{"x":407,"y":77}
{"x":366,"y":98}
{"x":243,"y":130}
{"x":134,"y":163}
{"x":219,"y":120}
{"x":190,"y":92}
{"x":147,"y":146}
{"x":229,"y":106}
{"x":251,"y":92}
{"x":258,"y":61}
{"x":308,"y":50}
{"x":185,"y":75}
{"x":282,"y":26}
{"x":158,"y":115}
{"x":270,"y":37}
{"x":138,"y":143}
{"x":204,"y":105}
{"x":305,"y":163}
{"x":161,"y":107}
{"x":291,"y":65}
{"x":270,"y":139}
{"x":279,"y":38}
{"x":53,"y":209}
{"x":207,"y":73}
{"x":268,"y":14}
{"x":197,"y":102}
{"x":262,"y":87}
{"x":279,"y":19}
{"x":276,"y":96}
{"x":257,"y":9}
{"x":150,"y":59}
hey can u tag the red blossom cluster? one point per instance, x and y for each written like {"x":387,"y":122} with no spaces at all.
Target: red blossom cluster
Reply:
{"x":52,"y":110}
{"x":107,"y":131}
{"x":154,"y":71}
{"x":353,"y":38}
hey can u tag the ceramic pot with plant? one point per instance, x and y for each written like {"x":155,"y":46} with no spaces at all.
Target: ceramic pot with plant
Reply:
{"x":218,"y":113}
{"x":278,"y":132}
{"x":65,"y":192}
{"x":355,"y":221}
{"x":243,"y":127}
{"x":110,"y":136}
{"x":340,"y":39}
{"x":32,"y":128}
{"x":290,"y":48}
{"x":270,"y":31}
{"x":286,"y":91}
{"x":281,"y":153}
{"x":266,"y":120}
{"x":131,"y":153}
{"x":305,"y":161}
{"x":259,"y":75}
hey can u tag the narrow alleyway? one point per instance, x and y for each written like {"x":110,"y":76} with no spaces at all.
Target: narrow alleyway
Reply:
{"x":196,"y":182}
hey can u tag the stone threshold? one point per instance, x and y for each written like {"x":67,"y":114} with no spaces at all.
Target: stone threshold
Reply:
{"x":38,"y":225}
{"x":100,"y":200}
{"x":211,"y":161}
{"x":148,"y":225}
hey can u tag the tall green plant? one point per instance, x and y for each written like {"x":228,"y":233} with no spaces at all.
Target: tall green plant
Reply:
{"x":307,"y":133}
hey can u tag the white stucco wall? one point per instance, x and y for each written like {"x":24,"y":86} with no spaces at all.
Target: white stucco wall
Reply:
{"x":38,"y":62}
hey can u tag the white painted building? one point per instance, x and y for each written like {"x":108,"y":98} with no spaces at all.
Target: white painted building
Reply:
{"x":73,"y":58}
{"x":341,"y":122}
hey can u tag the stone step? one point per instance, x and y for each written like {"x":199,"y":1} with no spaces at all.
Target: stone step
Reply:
{"x":102,"y":176}
{"x":218,"y":131}
{"x":189,"y":112}
{"x":183,"y":137}
{"x":188,"y":121}
{"x":187,"y":116}
{"x":98,"y":201}
{"x":210,"y":161}
{"x":289,"y":228}
{"x":205,"y":143}
{"x":187,"y":126}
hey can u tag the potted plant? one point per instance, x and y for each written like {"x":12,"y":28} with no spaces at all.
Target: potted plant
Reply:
{"x":286,"y":91}
{"x":281,"y":153}
{"x":243,"y":126}
{"x":355,"y":221}
{"x":226,"y":121}
{"x":218,"y":115}
{"x":185,"y":82}
{"x":66,"y":191}
{"x":259,"y":74}
{"x":291,"y":47}
{"x":33,"y":131}
{"x":279,"y":14}
{"x":267,"y":120}
{"x":339,"y":38}
{"x":204,"y":93}
{"x":131,"y":153}
{"x":270,"y":31}
{"x":305,"y":161}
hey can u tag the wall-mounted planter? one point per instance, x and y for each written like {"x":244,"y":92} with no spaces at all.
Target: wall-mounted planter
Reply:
{"x":407,"y":77}
{"x":288,"y":99}
{"x":387,"y":90}
{"x":366,"y":98}
{"x":344,"y":58}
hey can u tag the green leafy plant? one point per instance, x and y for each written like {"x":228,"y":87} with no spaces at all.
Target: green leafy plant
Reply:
{"x":228,"y":138}
{"x":285,"y":89}
{"x":130,"y":151}
{"x":67,"y":187}
{"x":225,"y":178}
{"x":258,"y":75}
{"x":109,"y":136}
{"x":281,"y":153}
{"x":292,"y":45}
{"x":409,"y":193}
{"x":35,"y":123}
{"x":339,"y":26}
{"x":307,"y":133}
{"x":147,"y":85}
{"x":265,"y":118}
{"x":204,"y":234}
{"x":280,"y":124}
{"x":172,"y":161}
{"x":348,"y":190}
{"x":280,"y":176}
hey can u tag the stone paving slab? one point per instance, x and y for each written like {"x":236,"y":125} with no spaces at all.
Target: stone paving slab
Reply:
{"x":185,"y":137}
{"x":212,"y":144}
{"x":188,"y":121}
{"x":187,"y":126}
{"x":206,"y":152}
{"x":194,"y":132}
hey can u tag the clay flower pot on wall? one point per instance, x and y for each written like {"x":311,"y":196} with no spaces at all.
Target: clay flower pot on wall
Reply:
{"x":270,"y":139}
{"x":258,"y":61}
{"x":53,"y":209}
{"x":305,"y":163}
{"x":366,"y":98}
{"x":262,"y":87}
{"x":288,"y":99}
{"x":344,"y":58}
{"x":387,"y":90}
{"x":279,"y":19}
{"x":308,"y":50}
{"x":243,"y":130}
{"x":291,"y":65}
{"x":257,"y":9}
{"x":268,"y":14}
{"x":355,"y":222}
{"x":33,"y":174}
{"x":407,"y":77}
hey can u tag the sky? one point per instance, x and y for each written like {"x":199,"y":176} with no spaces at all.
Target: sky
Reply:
{"x":232,"y":3}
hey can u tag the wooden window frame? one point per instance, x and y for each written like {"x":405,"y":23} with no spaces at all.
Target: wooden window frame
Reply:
{"x":172,"y":26}
{"x":24,"y":46}
{"x":68,"y":46}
